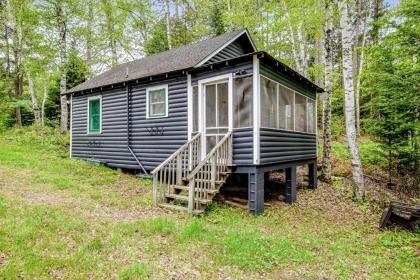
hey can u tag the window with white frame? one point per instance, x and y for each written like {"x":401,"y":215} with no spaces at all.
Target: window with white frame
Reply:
{"x":94,"y":114}
{"x":157,"y":102}
{"x":283,"y":108}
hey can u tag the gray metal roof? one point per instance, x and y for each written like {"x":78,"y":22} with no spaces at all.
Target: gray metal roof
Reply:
{"x":177,"y":59}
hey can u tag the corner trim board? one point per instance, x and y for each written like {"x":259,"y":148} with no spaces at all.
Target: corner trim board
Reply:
{"x":256,"y":114}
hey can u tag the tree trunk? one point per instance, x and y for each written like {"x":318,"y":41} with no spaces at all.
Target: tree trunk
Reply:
{"x":296,"y":58}
{"x":303,"y":57}
{"x":168,"y":23}
{"x":89,"y":35}
{"x":326,"y":100}
{"x":35,"y":106}
{"x":346,"y":41}
{"x":44,"y":99}
{"x":360,"y":66}
{"x":110,"y":22}
{"x":16,"y":30}
{"x":63,"y":60}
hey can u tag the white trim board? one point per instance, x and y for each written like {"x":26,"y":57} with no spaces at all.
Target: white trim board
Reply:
{"x":71,"y":125}
{"x":207,"y":58}
{"x":256,"y":109}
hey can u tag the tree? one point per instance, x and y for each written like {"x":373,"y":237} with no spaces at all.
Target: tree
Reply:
{"x":326,"y":99}
{"x":392,"y":78}
{"x":349,"y":110}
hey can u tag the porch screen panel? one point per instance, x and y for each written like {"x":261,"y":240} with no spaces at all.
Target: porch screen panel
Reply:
{"x":211,"y":106}
{"x":268,"y":103}
{"x":195,"y":108}
{"x":300,"y":113}
{"x":242,"y":102}
{"x":222,"y":105}
{"x":311,"y":116}
{"x":285,"y":108}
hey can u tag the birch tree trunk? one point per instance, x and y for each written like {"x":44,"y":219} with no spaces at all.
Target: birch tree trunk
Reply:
{"x":63,"y":60}
{"x":110,"y":27}
{"x":16,"y":30}
{"x":296,"y":58}
{"x":360,"y":65}
{"x":346,"y":41}
{"x":44,"y":100}
{"x":326,"y":99}
{"x":89,"y":35}
{"x":168,"y":23}
{"x":35,"y":106}
{"x":303,"y":58}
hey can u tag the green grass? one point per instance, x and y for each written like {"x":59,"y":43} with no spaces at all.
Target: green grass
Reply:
{"x":65,"y":218}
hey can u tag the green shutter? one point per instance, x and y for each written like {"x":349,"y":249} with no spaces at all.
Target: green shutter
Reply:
{"x":94,"y":115}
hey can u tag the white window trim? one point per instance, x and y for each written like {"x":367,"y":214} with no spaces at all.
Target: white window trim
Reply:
{"x":148,"y":90}
{"x":96,"y":97}
{"x":294,"y":109}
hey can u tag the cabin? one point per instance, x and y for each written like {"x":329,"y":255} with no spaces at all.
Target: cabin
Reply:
{"x":195,"y":115}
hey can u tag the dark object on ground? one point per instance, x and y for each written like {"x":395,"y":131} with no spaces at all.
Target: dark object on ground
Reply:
{"x":403,"y":214}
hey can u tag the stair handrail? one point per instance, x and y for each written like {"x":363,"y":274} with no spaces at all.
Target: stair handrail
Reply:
{"x":177,"y":152}
{"x":193,"y":173}
{"x":175,"y":167}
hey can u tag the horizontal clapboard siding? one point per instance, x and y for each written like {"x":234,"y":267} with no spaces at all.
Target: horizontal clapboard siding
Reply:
{"x":283,"y":146}
{"x":111,"y":146}
{"x":154,"y":149}
{"x":243,"y":146}
{"x":233,"y":50}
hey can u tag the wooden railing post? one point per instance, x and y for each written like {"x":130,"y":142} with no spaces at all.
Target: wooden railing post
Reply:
{"x":155,"y":190}
{"x":179,"y":169}
{"x":213,"y":171}
{"x":191,"y":191}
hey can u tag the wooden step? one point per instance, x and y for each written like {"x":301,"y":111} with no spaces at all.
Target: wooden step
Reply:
{"x":185,"y":198}
{"x":187,"y":188}
{"x":209,"y":181}
{"x":179,"y":208}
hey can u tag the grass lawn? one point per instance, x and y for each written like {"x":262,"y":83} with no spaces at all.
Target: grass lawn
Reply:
{"x":66,"y":219}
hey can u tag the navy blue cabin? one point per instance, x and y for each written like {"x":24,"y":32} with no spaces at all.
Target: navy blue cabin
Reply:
{"x":194,"y":115}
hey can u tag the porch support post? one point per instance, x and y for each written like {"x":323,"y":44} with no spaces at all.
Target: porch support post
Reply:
{"x":256,"y":191}
{"x":291,"y":184}
{"x":312,"y":168}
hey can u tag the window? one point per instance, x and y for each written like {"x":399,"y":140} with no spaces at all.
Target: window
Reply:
{"x":285,"y":108}
{"x":94,"y":114}
{"x":300,"y":113}
{"x":268,"y":103}
{"x":242,"y":102}
{"x":157,"y":102}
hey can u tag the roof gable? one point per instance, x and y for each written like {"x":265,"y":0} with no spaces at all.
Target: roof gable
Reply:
{"x":237,"y":46}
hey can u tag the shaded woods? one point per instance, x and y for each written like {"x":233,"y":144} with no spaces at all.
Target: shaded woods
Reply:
{"x":364,"y":53}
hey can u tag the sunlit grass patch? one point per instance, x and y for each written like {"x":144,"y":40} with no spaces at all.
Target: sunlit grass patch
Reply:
{"x":138,"y":271}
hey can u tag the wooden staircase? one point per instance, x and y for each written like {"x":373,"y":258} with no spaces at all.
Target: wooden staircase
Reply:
{"x":183,"y":182}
